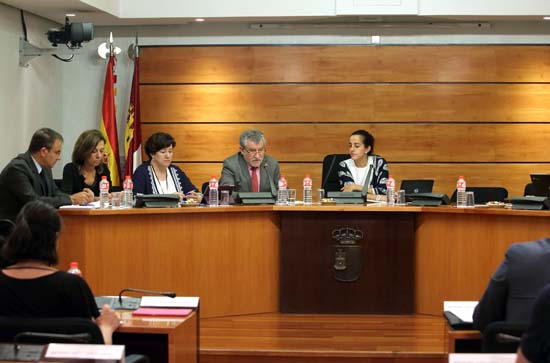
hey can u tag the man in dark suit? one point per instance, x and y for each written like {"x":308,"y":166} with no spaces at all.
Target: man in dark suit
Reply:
{"x":515,"y":284}
{"x":250,"y":170}
{"x":29,"y":177}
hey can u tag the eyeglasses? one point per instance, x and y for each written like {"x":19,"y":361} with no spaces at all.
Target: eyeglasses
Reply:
{"x":253,"y":152}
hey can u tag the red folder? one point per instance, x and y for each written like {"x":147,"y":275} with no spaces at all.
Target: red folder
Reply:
{"x":161,"y":312}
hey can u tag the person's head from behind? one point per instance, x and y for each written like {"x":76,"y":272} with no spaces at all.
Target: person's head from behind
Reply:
{"x":252,"y":147}
{"x":89,"y":149}
{"x":159,"y":147}
{"x":34,"y":236}
{"x":361,"y":144}
{"x":45,"y":147}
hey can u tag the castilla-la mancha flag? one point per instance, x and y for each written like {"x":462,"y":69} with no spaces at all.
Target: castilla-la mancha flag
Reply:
{"x":132,"y":135}
{"x":108,"y":122}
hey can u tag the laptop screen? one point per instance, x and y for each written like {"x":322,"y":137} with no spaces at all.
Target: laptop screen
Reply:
{"x":541,"y":184}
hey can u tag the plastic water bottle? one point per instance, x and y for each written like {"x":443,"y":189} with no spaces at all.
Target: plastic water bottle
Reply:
{"x":390,"y":193}
{"x":282,"y":192}
{"x":73,"y":269}
{"x":104,"y":192}
{"x":213,"y":192}
{"x":308,"y":192}
{"x":461,"y":192}
{"x":128,"y":192}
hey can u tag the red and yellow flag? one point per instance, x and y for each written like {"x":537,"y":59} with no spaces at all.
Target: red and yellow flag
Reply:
{"x":132,"y":135}
{"x":108,"y":122}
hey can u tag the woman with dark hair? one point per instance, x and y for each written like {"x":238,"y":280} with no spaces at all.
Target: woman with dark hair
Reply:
{"x":158,"y":175}
{"x":31,"y":287}
{"x":87,"y":167}
{"x":363,"y":167}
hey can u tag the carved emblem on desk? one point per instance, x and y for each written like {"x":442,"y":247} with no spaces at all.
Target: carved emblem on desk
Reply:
{"x":348,"y":260}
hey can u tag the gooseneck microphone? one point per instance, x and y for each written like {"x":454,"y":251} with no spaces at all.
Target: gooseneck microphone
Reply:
{"x":271,"y":182}
{"x":168,"y":294}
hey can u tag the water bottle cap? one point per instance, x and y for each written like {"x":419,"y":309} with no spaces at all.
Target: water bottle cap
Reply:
{"x":307,"y":175}
{"x":73,"y":264}
{"x":104,"y":177}
{"x":461,"y":177}
{"x":128,"y":177}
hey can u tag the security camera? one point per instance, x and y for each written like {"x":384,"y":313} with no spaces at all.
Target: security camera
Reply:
{"x":71,"y":34}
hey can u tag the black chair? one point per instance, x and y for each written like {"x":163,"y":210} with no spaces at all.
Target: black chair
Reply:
{"x":529,"y":189}
{"x":502,"y":337}
{"x":55,"y":330}
{"x":483,"y":195}
{"x":330,"y":181}
{"x":413,"y":186}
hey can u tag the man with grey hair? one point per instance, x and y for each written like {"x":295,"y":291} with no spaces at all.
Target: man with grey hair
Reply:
{"x":29,"y":177}
{"x":250,"y":170}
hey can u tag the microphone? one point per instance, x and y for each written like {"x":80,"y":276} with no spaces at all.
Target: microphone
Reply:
{"x":168,"y":294}
{"x":271,"y":183}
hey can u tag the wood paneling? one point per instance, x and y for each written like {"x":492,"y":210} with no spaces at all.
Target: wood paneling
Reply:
{"x":512,"y":176}
{"x":165,"y":248}
{"x":456,"y":253}
{"x":436,"y":111}
{"x":360,"y":63}
{"x":395,"y":142}
{"x":345,"y":102}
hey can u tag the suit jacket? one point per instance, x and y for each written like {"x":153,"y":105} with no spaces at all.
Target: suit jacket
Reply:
{"x":20,"y":183}
{"x":515,"y":284}
{"x":235,"y":172}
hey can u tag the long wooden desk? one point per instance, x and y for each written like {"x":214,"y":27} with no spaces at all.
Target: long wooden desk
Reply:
{"x":230,"y":256}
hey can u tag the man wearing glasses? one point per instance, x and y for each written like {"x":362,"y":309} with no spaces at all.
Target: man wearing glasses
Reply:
{"x":250,"y":170}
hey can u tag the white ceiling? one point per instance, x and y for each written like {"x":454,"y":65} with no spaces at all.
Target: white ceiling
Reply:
{"x":55,"y":10}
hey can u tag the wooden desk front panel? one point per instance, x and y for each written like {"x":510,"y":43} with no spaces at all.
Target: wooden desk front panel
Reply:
{"x":386,"y":282}
{"x":458,"y":251}
{"x":228,"y":259}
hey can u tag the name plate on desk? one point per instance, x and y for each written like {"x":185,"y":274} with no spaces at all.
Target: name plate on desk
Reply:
{"x":83,"y":352}
{"x":482,"y":358}
{"x":255,"y":198}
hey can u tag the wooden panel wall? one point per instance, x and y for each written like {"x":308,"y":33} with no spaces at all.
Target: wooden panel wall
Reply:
{"x":435,"y":111}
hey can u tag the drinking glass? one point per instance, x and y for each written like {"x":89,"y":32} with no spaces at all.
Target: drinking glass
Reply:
{"x":470,"y":200}
{"x":292,"y":197}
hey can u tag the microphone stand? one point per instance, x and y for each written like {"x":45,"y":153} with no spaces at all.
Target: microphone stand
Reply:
{"x":168,"y":294}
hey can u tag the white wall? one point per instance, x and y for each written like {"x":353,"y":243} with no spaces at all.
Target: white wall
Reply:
{"x":68,"y":96}
{"x":30,"y":98}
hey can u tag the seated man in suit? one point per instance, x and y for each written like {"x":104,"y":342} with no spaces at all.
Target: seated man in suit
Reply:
{"x":535,"y":343}
{"x":515,"y":284}
{"x":29,"y":177}
{"x":250,"y":170}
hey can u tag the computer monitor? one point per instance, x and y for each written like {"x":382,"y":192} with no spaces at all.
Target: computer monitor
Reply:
{"x":541,"y":184}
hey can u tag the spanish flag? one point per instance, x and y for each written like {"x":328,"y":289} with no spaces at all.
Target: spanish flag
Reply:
{"x":132,"y":135}
{"x":108,"y":121}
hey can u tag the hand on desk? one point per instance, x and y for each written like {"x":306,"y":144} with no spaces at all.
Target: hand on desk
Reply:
{"x":84,"y":197}
{"x":195,"y":197}
{"x":108,"y":321}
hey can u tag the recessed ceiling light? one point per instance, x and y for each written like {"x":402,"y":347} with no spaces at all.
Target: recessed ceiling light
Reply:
{"x":70,"y":15}
{"x":199,"y":19}
{"x":546,"y":18}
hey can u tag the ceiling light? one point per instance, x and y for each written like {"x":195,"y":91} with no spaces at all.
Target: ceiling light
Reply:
{"x":199,"y":19}
{"x":546,"y":17}
{"x":70,"y":15}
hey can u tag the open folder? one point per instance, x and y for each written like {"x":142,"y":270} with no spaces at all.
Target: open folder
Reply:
{"x":459,"y":314}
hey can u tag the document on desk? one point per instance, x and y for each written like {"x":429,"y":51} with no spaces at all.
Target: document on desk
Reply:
{"x":85,"y":351}
{"x":169,"y":302}
{"x":93,"y":205}
{"x":482,"y":358}
{"x":464,"y":310}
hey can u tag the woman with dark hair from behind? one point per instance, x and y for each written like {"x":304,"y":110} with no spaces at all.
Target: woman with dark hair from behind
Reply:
{"x":87,"y":167}
{"x":31,"y":287}
{"x":363,"y":164}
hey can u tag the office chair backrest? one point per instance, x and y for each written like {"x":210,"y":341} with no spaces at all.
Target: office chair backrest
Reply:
{"x":483,"y":195}
{"x":502,"y":337}
{"x":330,"y":178}
{"x":10,"y":327}
{"x":412,"y":186}
{"x":529,"y":189}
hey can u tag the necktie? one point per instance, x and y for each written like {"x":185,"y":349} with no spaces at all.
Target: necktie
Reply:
{"x":44,"y":182}
{"x":255,"y":184}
